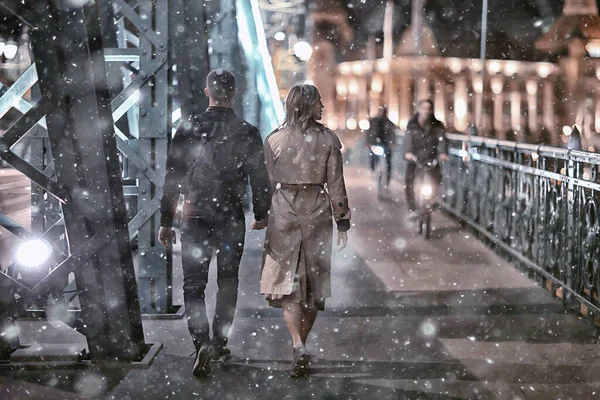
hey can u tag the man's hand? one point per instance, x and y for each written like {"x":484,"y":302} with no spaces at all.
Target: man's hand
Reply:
{"x":409,"y":156}
{"x":166,"y":235}
{"x":258,"y":225}
{"x":342,"y":240}
{"x":444,"y":157}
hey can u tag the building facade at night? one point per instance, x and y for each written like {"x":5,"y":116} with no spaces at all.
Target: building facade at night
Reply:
{"x":526,"y":101}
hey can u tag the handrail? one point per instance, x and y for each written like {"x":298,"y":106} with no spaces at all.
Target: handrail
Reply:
{"x":538,"y":203}
{"x":543,"y":150}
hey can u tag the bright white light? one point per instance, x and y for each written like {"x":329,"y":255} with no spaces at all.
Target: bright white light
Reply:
{"x":567,"y":130}
{"x":332,"y":122}
{"x":341,"y":89}
{"x":303,"y":50}
{"x":377,"y":150}
{"x":353,"y":87}
{"x":33,"y":253}
{"x":377,"y":85}
{"x":543,"y":71}
{"x":10,"y":49}
{"x":364,"y":124}
{"x":510,"y":69}
{"x":345,"y":68}
{"x":426,"y":191}
{"x":383,"y":66}
{"x":497,"y":85}
{"x":455,"y":65}
{"x":280,"y":36}
{"x":494,"y":67}
{"x":351,"y":124}
{"x":593,"y":48}
{"x":2,"y":46}
{"x":477,"y":85}
{"x":532,"y":87}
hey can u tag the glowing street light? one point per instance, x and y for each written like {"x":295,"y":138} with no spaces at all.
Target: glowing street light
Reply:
{"x":33,"y":253}
{"x":10,"y":49}
{"x":303,"y":50}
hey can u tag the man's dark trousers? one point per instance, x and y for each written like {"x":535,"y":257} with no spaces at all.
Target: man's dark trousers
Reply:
{"x":199,"y":238}
{"x":374,"y":160}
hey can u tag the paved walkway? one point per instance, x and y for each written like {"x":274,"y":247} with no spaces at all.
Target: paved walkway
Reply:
{"x":409,"y":319}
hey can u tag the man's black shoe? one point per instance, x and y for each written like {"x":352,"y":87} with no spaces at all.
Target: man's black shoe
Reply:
{"x":202,"y":362}
{"x":220,"y":354}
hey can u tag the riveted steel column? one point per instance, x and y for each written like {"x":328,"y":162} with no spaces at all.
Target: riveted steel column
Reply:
{"x":154,"y":265}
{"x":72,"y":77}
{"x":189,"y":45}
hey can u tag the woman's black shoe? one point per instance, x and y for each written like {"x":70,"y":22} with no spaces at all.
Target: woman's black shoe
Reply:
{"x":300,"y":363}
{"x":202,"y":362}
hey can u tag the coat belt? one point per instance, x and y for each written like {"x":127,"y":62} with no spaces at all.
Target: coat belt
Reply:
{"x":300,"y":186}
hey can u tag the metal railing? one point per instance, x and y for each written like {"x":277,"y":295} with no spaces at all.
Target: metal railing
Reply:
{"x":539,"y":204}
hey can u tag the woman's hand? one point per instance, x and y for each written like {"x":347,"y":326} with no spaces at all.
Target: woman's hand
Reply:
{"x":342,"y":240}
{"x":258,"y":225}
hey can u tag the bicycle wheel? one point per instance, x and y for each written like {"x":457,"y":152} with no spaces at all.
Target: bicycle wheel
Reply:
{"x":427,"y":223}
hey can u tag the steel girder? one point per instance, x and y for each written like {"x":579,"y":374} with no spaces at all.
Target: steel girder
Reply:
{"x":190,"y":53}
{"x":139,"y":79}
{"x":75,"y":99}
{"x":146,"y":149}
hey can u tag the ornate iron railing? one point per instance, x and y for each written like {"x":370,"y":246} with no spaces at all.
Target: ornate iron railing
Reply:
{"x":539,"y":204}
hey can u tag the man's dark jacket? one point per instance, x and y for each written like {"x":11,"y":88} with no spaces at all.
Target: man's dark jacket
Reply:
{"x":381,"y":132}
{"x":238,"y":151}
{"x":426,"y":143}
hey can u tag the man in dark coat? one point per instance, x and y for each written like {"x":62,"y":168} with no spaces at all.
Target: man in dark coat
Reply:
{"x":382,"y":132}
{"x":426,"y":141}
{"x":210,"y":161}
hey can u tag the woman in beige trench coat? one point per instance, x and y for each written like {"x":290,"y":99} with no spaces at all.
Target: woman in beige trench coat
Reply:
{"x":305,"y":167}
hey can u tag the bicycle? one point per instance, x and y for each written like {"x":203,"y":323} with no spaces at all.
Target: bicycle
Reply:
{"x":426,"y":185}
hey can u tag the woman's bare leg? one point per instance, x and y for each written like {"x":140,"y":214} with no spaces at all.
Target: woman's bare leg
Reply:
{"x":292,"y":313}
{"x":309,"y":315}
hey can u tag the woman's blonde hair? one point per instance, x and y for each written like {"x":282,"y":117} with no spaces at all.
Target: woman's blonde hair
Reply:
{"x":299,"y":106}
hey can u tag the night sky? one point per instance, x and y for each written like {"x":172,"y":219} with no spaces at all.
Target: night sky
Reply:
{"x":514,"y":25}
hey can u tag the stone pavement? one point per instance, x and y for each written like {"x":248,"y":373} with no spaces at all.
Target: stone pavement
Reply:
{"x":409,"y":319}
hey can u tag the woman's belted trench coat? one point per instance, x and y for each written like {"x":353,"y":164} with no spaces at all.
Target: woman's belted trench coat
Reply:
{"x":306,"y":172}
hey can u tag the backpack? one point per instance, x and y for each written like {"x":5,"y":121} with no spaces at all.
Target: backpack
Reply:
{"x":215,"y":180}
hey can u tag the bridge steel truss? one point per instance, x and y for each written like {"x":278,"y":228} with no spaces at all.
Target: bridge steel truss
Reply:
{"x":74,"y":115}
{"x":138,"y":66}
{"x":538,"y":204}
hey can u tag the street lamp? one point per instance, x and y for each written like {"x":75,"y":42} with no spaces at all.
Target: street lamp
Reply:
{"x":482,"y":56}
{"x":10,"y":49}
{"x":303,"y":50}
{"x":33,"y":253}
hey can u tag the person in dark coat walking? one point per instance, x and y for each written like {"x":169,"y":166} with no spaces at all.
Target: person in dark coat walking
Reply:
{"x":426,"y":141}
{"x":382,"y":132}
{"x":210,"y":162}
